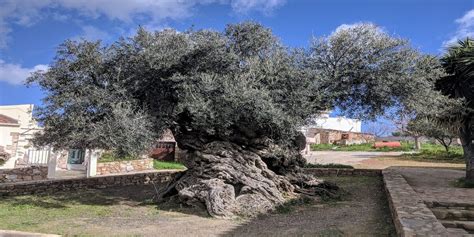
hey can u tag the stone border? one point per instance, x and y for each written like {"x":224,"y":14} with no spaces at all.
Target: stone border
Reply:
{"x":52,"y":186}
{"x":342,"y":172}
{"x":124,"y":166}
{"x":135,"y":178}
{"x":410,"y":214}
{"x":23,"y":174}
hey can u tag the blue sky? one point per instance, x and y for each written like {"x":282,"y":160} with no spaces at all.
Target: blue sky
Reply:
{"x":30,"y":30}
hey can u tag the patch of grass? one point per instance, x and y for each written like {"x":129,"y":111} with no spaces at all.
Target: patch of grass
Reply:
{"x":437,"y":154}
{"x":331,"y":165}
{"x":2,"y":162}
{"x":462,"y":183}
{"x":28,"y":213}
{"x":360,"y":147}
{"x":331,"y":233}
{"x":167,"y":165}
{"x":71,"y":213}
{"x":111,"y":157}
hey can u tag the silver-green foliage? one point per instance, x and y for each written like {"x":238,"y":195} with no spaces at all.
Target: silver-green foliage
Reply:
{"x":367,"y":72}
{"x":236,"y":85}
{"x":240,"y":83}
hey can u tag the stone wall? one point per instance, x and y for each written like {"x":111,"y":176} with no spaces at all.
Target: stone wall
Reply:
{"x":410,"y":214}
{"x":73,"y":184}
{"x":124,"y":166}
{"x":342,"y":172}
{"x":329,"y":136}
{"x":23,"y":174}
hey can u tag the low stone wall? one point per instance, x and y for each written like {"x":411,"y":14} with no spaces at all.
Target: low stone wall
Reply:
{"x":410,"y":214}
{"x":125,"y":166}
{"x":52,"y":186}
{"x":342,"y":172}
{"x":23,"y":174}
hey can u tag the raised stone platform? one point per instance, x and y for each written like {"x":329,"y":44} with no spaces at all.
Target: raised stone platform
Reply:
{"x":410,"y":214}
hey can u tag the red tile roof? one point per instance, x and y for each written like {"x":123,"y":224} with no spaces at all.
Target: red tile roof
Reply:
{"x":6,"y":119}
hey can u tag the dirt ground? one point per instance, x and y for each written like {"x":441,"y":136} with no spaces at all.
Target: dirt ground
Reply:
{"x":364,"y":212}
{"x":128,"y":211}
{"x":388,"y":161}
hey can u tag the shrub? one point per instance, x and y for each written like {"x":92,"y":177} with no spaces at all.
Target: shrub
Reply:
{"x":110,"y":157}
{"x":462,"y":183}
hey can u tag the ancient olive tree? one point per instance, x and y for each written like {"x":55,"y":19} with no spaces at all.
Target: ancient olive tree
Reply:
{"x":459,"y":84}
{"x":233,"y":100}
{"x":432,"y":128}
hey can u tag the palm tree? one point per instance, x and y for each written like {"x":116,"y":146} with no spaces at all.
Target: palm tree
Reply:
{"x":459,"y":83}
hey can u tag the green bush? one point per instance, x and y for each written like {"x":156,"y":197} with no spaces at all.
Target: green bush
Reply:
{"x":110,"y":157}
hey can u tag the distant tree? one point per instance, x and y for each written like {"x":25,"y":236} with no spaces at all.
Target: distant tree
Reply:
{"x":396,"y":133}
{"x":432,"y":128}
{"x":459,"y":84}
{"x":379,"y":129}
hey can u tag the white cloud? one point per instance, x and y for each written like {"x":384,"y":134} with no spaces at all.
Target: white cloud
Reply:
{"x":93,"y":33}
{"x":15,"y":74}
{"x":465,"y":28}
{"x":264,"y":6}
{"x":28,"y":12}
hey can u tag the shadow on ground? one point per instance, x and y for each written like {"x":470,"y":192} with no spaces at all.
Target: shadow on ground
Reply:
{"x":362,"y":213}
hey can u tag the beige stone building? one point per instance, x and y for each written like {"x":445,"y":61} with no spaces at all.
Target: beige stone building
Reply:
{"x":324,"y":129}
{"x":331,"y":136}
{"x":17,"y":127}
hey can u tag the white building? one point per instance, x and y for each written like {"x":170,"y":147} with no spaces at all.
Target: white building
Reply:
{"x":17,"y":127}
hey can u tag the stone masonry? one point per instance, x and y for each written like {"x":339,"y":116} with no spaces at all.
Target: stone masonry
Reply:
{"x":23,"y":174}
{"x":410,"y":214}
{"x":124,"y":166}
{"x":342,"y":172}
{"x":73,"y":184}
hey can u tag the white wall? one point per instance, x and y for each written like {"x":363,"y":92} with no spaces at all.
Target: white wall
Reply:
{"x":27,"y":127}
{"x":336,"y":123}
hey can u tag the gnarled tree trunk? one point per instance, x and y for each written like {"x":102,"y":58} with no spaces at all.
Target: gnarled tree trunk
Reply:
{"x":231,"y":179}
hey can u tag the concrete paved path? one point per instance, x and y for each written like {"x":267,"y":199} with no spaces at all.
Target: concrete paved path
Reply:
{"x":436,"y":184}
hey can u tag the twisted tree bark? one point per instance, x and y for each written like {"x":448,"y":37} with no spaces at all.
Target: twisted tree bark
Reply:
{"x":231,"y":179}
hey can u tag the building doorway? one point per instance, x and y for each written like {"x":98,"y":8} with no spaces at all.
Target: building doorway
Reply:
{"x":75,"y":160}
